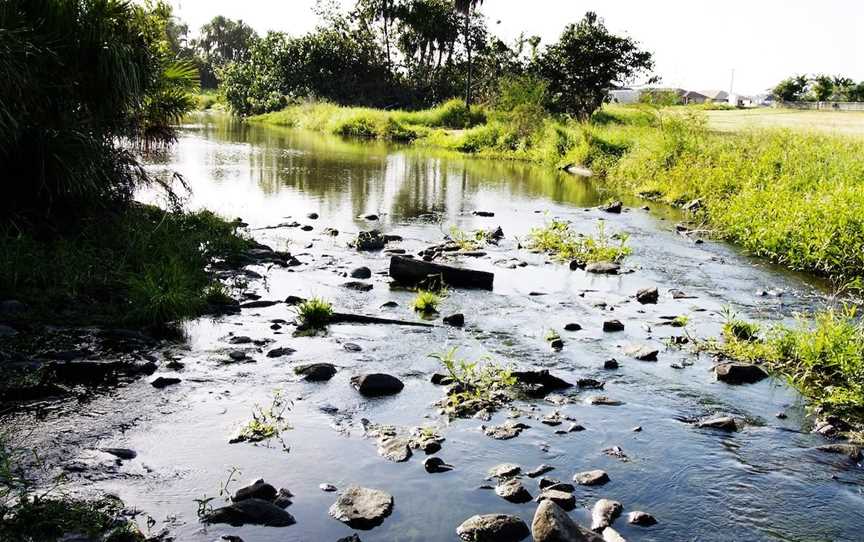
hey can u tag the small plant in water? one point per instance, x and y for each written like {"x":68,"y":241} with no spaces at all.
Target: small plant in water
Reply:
{"x":559,"y":240}
{"x":426,"y":302}
{"x":465,"y":240}
{"x":266,"y":423}
{"x":736,"y":328}
{"x":314,"y":313}
{"x":477,"y":385}
{"x":552,"y":335}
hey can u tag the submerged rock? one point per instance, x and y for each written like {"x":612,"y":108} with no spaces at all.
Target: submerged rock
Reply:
{"x":493,"y":528}
{"x":280,"y":351}
{"x":739,"y":373}
{"x":120,"y":453}
{"x":251,"y":512}
{"x":377,"y":384}
{"x":505,"y":431}
{"x":486,"y":214}
{"x":852,"y":451}
{"x":357,"y":285}
{"x":724,"y":423}
{"x":539,"y":471}
{"x":362,"y":508}
{"x":604,"y":513}
{"x":552,"y":524}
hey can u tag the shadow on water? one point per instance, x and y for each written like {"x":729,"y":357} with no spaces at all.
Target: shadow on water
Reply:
{"x":763,"y":483}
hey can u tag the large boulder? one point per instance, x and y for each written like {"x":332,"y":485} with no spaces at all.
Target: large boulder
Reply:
{"x":377,"y":384}
{"x":739,"y":373}
{"x":251,"y":512}
{"x":256,"y":490}
{"x":493,"y":528}
{"x":361,"y":507}
{"x":552,"y":524}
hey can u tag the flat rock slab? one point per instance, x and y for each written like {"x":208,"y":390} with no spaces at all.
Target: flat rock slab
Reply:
{"x":505,"y":470}
{"x":251,"y":512}
{"x":397,"y":449}
{"x":850,"y":450}
{"x":603,"y":268}
{"x":505,"y":431}
{"x":361,"y":507}
{"x":642,"y":352}
{"x":723,"y":423}
{"x":493,"y":528}
{"x":552,"y":524}
{"x":591,"y":478}
{"x":562,"y":498}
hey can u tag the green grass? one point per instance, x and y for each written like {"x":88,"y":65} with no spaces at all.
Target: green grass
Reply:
{"x":48,"y":518}
{"x":426,"y":302}
{"x":141,"y":266}
{"x":822,"y":356}
{"x":373,"y":123}
{"x":558,"y":239}
{"x":314,"y":313}
{"x":826,"y":122}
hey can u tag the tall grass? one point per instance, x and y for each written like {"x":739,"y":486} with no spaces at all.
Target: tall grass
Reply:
{"x":822,"y":356}
{"x":141,"y":266}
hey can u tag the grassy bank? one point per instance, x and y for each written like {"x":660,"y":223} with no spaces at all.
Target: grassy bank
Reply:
{"x":142,"y":266}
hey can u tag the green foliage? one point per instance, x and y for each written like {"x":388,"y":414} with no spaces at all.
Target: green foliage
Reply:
{"x":267,"y":423}
{"x":81,"y":78}
{"x":563,"y":243}
{"x":792,"y":89}
{"x":521,"y":90}
{"x":586,"y":62}
{"x":314,"y":313}
{"x":39,"y":519}
{"x":426,"y":302}
{"x":143,"y":266}
{"x":478,"y":385}
{"x":822,"y":356}
{"x":552,"y":335}
{"x":220,"y":42}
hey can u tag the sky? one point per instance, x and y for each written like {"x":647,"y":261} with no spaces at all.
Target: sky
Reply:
{"x":696,"y":44}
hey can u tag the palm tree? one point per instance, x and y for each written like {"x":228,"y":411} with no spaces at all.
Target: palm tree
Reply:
{"x":465,"y":7}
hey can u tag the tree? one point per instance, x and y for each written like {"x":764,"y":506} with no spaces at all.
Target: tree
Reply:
{"x":822,"y":87}
{"x":586,"y":62}
{"x":80,"y":79}
{"x":791,"y":89}
{"x":222,"y":41}
{"x":465,"y":7}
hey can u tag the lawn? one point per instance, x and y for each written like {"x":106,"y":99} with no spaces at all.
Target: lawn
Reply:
{"x":832,"y":122}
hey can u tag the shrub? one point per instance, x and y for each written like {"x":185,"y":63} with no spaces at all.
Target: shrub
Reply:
{"x":426,"y":302}
{"x":314,"y":313}
{"x":559,"y":240}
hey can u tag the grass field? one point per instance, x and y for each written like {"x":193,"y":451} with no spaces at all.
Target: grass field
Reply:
{"x":831,"y":122}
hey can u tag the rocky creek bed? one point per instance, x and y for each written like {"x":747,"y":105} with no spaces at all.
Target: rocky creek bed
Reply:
{"x":650,"y":447}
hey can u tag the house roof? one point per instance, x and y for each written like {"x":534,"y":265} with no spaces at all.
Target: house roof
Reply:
{"x":715,"y":94}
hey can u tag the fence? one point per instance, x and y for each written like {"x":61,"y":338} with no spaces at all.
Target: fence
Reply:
{"x":824,"y":106}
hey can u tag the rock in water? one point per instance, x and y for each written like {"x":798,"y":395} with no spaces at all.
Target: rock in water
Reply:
{"x":512,"y":490}
{"x":613,"y":325}
{"x":316,"y":372}
{"x":120,"y":453}
{"x":603,"y":268}
{"x":362,"y":508}
{"x":361,"y":273}
{"x":251,"y":512}
{"x":377,"y":384}
{"x":562,"y":498}
{"x":724,"y":423}
{"x":394,"y":449}
{"x":647,"y":295}
{"x":493,"y":528}
{"x":455,"y":320}
{"x":615,"y":207}
{"x":641,"y":518}
{"x":853,"y":452}
{"x":591,"y":478}
{"x":552,"y":524}
{"x":642,"y":352}
{"x":604,"y":513}
{"x":505,"y":470}
{"x":164,"y":381}
{"x":611,"y":535}
{"x":257,"y":490}
{"x":739,"y":373}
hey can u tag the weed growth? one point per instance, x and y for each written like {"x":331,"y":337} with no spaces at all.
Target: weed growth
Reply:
{"x":564,"y":244}
{"x":314,"y":313}
{"x":479,"y":384}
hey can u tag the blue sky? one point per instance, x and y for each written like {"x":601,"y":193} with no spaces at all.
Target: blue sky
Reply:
{"x":696,"y":44}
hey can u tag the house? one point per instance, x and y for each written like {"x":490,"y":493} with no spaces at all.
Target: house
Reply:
{"x":715,"y":96}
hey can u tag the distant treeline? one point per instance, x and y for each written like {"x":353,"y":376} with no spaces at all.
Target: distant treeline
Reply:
{"x":408,"y":54}
{"x":818,"y":88}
